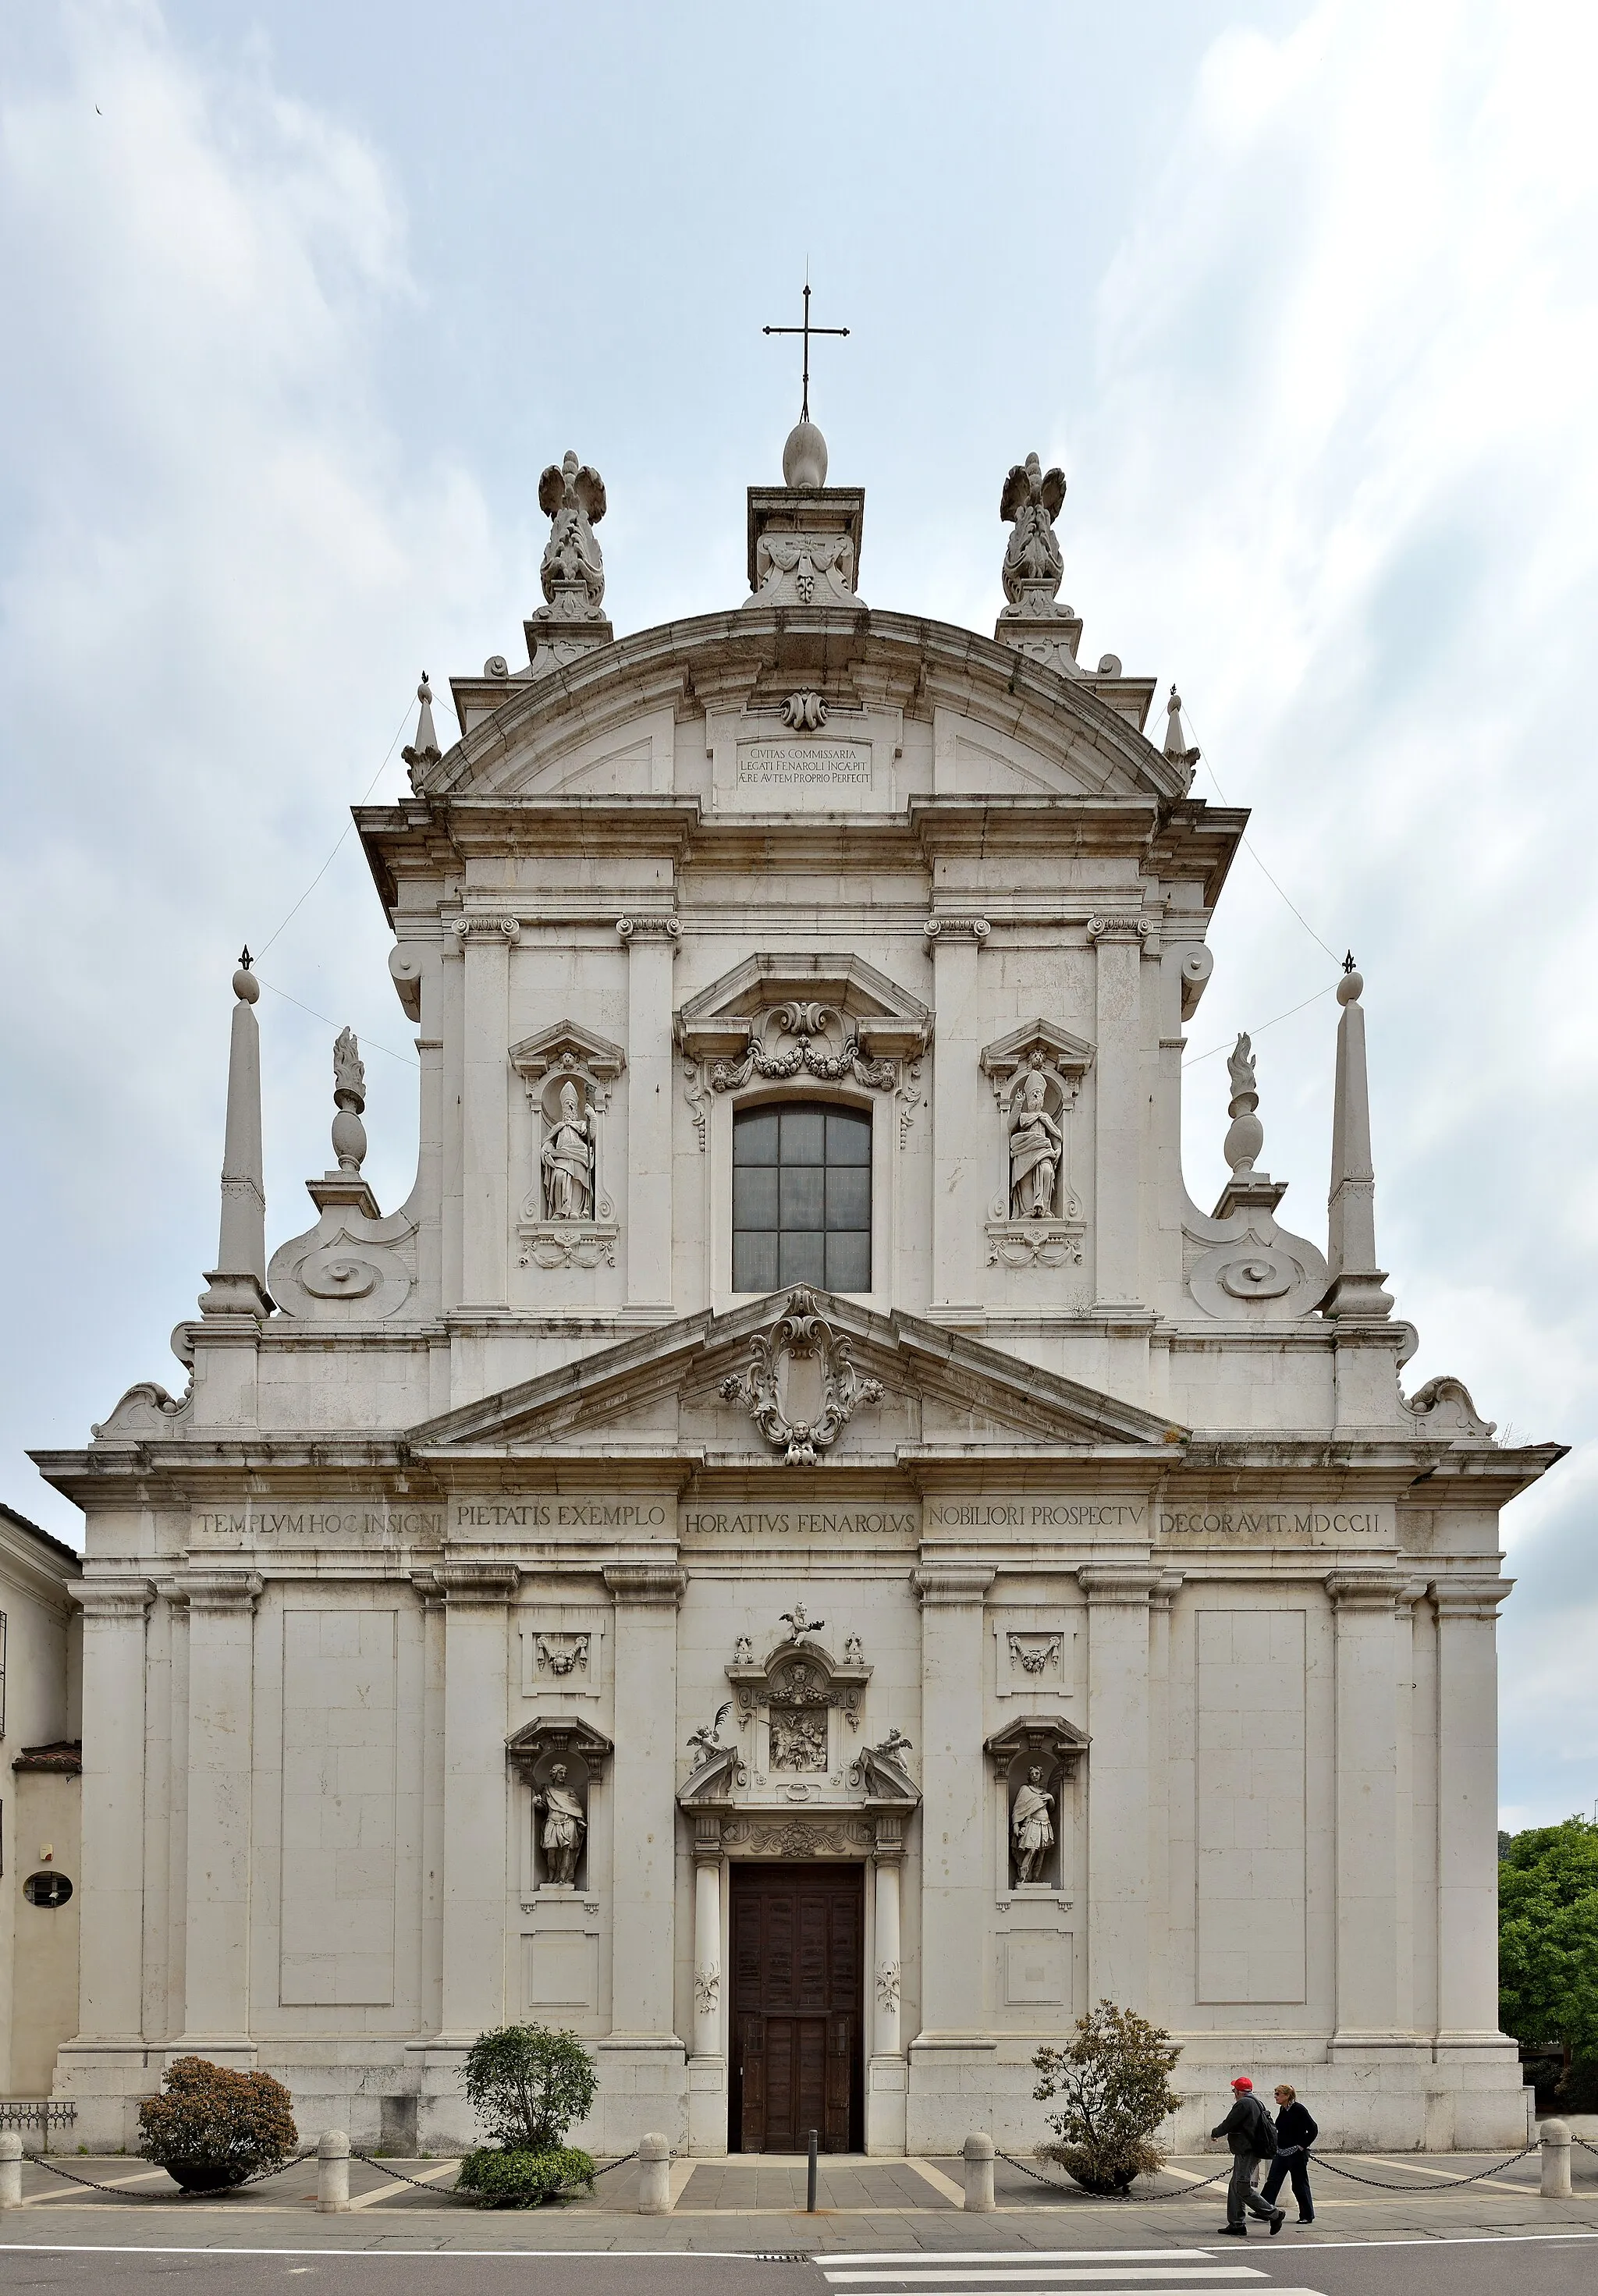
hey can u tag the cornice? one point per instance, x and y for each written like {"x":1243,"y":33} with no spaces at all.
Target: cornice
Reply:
{"x":1475,"y":1599}
{"x":1120,"y":1582}
{"x":109,"y":1599}
{"x":949,"y":1585}
{"x":221,"y":1592}
{"x":646,"y":1584}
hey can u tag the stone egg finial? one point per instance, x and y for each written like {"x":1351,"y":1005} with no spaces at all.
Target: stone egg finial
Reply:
{"x":245,"y":987}
{"x":1349,"y":987}
{"x":805,"y":457}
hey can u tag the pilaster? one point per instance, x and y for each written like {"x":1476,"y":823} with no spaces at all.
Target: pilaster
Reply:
{"x":1118,"y":1131}
{"x":1467,"y":1815}
{"x":707,"y":2130}
{"x":887,"y":2081}
{"x":1372,"y":1986}
{"x":110,"y":1925}
{"x":957,"y":1881}
{"x":1118,"y":1598}
{"x":475,"y":1828}
{"x":961,"y":1173}
{"x":486,"y":1110}
{"x":221,"y":1605}
{"x":651,"y":943}
{"x":646,"y":1595}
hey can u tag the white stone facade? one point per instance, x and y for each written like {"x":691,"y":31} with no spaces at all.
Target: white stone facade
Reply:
{"x":1071,"y":1476}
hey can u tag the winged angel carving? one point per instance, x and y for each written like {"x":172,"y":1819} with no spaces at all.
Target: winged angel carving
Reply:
{"x":1033,"y":568}
{"x":572,"y":497}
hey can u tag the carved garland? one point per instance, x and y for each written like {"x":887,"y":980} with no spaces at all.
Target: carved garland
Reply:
{"x":805,"y":1022}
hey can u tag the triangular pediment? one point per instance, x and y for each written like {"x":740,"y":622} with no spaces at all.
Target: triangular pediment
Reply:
{"x":692,"y":1388}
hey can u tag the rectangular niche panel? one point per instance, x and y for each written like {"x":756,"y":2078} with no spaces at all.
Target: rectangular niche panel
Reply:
{"x":1250,"y":1816}
{"x":560,"y":1971}
{"x":562,"y":1653}
{"x":341,"y":1730}
{"x":1035,"y":1656}
{"x":1035,"y":1969}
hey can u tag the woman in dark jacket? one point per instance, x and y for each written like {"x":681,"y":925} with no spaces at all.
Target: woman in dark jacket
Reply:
{"x":1295,"y":2132}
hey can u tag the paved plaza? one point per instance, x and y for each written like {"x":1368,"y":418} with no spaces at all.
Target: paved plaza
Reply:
{"x":755,"y":2206}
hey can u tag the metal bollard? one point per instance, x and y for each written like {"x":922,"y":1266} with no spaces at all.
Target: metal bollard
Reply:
{"x":978,"y":2172}
{"x":654,"y":2175}
{"x":810,"y":2179}
{"x":11,"y":2170}
{"x":332,"y":2172}
{"x":1555,"y":2139}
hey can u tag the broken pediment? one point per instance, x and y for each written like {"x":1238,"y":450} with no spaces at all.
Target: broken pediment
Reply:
{"x":724,"y":1021}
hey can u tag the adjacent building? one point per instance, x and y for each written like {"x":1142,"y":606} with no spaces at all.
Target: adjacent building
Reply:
{"x":40,"y":1762}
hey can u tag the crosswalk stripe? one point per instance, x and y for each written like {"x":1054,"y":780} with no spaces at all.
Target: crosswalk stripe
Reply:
{"x":1021,"y":2267}
{"x":1023,"y":2256}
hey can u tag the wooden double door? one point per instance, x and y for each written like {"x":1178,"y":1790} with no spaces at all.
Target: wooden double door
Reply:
{"x":798,"y":2007}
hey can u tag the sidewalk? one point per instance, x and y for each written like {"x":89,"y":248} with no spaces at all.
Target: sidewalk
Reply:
{"x":755,"y":2206}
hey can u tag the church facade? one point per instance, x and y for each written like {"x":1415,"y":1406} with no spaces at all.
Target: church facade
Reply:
{"x":798,"y":1552}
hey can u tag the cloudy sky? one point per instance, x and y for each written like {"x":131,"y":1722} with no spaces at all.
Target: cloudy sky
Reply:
{"x":301,"y":299}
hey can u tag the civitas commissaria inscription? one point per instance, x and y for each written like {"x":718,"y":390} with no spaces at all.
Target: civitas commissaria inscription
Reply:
{"x":1314,"y":1521}
{"x":804,"y":1525}
{"x":358,"y":1521}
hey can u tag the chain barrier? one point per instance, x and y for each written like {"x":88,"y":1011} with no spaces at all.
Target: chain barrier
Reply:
{"x":422,"y":2184}
{"x":164,"y":2200}
{"x":1381,"y":2184}
{"x":1585,"y":2146}
{"x":1386,"y":2184}
{"x":1055,"y":2186}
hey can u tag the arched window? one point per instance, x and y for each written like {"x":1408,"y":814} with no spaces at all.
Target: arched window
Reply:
{"x":801,"y":1198}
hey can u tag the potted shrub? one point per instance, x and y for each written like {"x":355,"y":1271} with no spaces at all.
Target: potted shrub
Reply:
{"x":528,"y":2086}
{"x":1112,"y":2078}
{"x":214,"y":2128}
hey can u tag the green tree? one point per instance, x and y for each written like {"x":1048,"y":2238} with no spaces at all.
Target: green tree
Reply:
{"x":1548,"y":1936}
{"x":527,"y":2084}
{"x":1112,"y":2077}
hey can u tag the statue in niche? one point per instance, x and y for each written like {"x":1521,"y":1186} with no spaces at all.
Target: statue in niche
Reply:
{"x":1037,"y":1146}
{"x":1033,"y":566}
{"x":568,"y":1160}
{"x":564,"y":1826}
{"x":573,"y":499}
{"x":1031,"y":1828}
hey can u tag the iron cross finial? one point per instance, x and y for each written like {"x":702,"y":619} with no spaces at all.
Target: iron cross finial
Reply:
{"x":806,"y":331}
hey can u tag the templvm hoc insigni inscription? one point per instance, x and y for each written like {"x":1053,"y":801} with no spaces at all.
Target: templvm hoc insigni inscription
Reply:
{"x":804,"y":765}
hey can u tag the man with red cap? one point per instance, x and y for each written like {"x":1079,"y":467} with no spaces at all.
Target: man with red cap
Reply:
{"x":1251,"y":2134}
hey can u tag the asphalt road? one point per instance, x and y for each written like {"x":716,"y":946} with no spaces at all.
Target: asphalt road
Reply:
{"x":1541,"y":2265}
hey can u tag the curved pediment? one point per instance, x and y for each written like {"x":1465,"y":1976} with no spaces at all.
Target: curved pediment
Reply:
{"x":608,"y":724}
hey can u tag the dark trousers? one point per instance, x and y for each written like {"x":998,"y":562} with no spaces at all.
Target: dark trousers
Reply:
{"x":1294,"y":2163}
{"x":1240,"y":2194}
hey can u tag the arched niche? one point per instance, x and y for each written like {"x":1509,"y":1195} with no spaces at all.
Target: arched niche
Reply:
{"x":1041,"y":1753}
